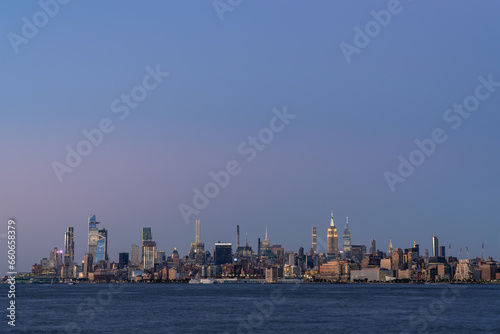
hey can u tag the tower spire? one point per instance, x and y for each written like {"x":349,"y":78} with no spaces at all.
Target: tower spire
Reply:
{"x":266,"y":233}
{"x":332,"y":223}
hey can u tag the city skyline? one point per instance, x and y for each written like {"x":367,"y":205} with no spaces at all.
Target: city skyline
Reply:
{"x":148,"y":256}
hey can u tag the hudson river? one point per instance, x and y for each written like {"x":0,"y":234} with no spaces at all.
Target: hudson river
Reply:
{"x":254,"y":308}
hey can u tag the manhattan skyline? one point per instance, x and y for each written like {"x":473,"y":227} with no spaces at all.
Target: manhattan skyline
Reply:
{"x":226,"y":82}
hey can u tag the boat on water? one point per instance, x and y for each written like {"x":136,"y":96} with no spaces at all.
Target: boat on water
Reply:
{"x":202,"y":281}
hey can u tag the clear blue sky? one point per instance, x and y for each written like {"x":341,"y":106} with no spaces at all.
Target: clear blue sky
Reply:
{"x":353,"y":121}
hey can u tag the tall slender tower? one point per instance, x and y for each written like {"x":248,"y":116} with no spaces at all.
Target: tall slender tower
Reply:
{"x":69,"y":247}
{"x":332,"y":242}
{"x":237,"y":237}
{"x":314,"y":243}
{"x":435,"y":246}
{"x":347,"y":239}
{"x":391,"y":249}
{"x":198,"y":236}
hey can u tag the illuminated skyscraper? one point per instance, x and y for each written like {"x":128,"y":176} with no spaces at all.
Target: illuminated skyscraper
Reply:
{"x":69,"y":247}
{"x":435,"y":246}
{"x":391,"y":249}
{"x":314,"y":241}
{"x":93,"y":236}
{"x":101,"y":253}
{"x":347,"y":239}
{"x":332,"y":242}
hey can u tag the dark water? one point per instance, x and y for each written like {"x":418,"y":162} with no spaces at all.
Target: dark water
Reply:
{"x":255,"y":308}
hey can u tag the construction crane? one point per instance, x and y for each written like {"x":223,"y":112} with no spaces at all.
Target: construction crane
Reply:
{"x":468,"y":255}
{"x":449,"y":250}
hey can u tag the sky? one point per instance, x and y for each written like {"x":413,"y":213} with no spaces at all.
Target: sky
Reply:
{"x":355,"y":104}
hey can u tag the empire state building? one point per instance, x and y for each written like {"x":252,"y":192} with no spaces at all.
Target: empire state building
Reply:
{"x":332,"y":242}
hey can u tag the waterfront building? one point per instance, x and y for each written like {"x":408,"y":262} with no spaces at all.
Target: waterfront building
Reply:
{"x":123,"y":259}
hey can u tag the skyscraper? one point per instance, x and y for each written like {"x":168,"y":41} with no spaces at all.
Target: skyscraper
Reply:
{"x":199,"y":247}
{"x":69,"y":247}
{"x":265,"y":248}
{"x":136,"y":256}
{"x":347,"y":239}
{"x":237,"y":237}
{"x":101,"y":253}
{"x":122,"y":260}
{"x":314,"y":241}
{"x":148,"y":248}
{"x":148,"y":258}
{"x":391,"y":249}
{"x":435,"y":246}
{"x":373,"y":247}
{"x":442,"y":251}
{"x":88,"y":264}
{"x":332,"y":243}
{"x":198,"y":232}
{"x":93,"y":236}
{"x":223,"y":253}
{"x":146,"y":234}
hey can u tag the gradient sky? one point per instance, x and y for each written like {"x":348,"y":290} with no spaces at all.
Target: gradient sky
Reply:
{"x":353,"y":121}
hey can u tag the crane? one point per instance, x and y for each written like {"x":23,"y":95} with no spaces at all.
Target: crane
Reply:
{"x":468,"y":255}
